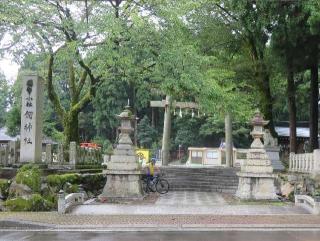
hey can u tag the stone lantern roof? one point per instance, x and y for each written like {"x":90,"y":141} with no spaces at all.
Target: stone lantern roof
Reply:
{"x":126,"y":113}
{"x":258,"y":120}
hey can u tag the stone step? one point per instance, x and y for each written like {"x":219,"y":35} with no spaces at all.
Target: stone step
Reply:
{"x":218,"y":179}
{"x":202,"y":181}
{"x":231,"y":191}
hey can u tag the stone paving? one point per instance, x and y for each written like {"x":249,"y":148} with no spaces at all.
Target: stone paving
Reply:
{"x":188,"y":203}
{"x":55,"y":220}
{"x":176,"y":210}
{"x":191,"y":198}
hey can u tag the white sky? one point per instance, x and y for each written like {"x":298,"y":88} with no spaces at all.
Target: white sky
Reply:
{"x":9,"y":68}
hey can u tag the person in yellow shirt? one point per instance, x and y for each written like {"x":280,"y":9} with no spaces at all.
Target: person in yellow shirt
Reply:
{"x":150,"y":167}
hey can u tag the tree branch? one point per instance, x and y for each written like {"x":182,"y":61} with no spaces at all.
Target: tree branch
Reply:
{"x":51,"y":92}
{"x":81,"y":82}
{"x":82,"y":103}
{"x":72,"y":84}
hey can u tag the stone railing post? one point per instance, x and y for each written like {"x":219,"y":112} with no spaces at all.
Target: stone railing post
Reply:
{"x":299,"y":163}
{"x":304,"y":161}
{"x":316,"y":161}
{"x":60,"y":156}
{"x":61,"y":202}
{"x":291,"y":157}
{"x":73,"y":153}
{"x":13,"y":155}
{"x":48,"y":154}
{"x":2,"y":155}
{"x":6,"y":155}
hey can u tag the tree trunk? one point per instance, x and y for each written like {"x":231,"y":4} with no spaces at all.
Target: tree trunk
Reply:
{"x":268,"y":105}
{"x":291,"y":92}
{"x":71,"y":128}
{"x":166,"y":132}
{"x":228,"y":136}
{"x":314,"y":96}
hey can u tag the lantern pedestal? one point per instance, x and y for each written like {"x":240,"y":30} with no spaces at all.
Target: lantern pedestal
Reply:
{"x":256,"y":178}
{"x":123,"y":172}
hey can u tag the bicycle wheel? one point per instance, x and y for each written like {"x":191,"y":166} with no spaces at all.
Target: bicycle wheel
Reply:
{"x":151,"y":185}
{"x":162,"y":186}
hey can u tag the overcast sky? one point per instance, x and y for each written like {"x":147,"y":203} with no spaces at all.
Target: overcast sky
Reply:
{"x":9,"y":68}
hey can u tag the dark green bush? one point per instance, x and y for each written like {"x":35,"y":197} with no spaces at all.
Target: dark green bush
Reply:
{"x":4,"y":187}
{"x":291,"y":196}
{"x":38,"y":203}
{"x":57,"y":182}
{"x":35,"y":203}
{"x":30,"y":175}
{"x":93,"y":182}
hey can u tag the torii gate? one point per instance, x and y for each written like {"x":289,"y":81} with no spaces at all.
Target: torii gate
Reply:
{"x":166,"y":104}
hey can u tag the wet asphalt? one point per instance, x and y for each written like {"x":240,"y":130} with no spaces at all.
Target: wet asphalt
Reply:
{"x":162,"y":236}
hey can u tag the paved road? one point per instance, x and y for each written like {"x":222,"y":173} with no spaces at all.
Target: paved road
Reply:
{"x":164,"y":236}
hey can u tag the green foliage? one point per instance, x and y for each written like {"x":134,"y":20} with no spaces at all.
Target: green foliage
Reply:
{"x":4,"y":99}
{"x":4,"y":187}
{"x":18,"y":204}
{"x":93,"y":182}
{"x":58,"y":181}
{"x":36,"y":203}
{"x":185,"y":134}
{"x":291,"y":196}
{"x":90,"y":182}
{"x":30,"y":175}
{"x":146,"y":133}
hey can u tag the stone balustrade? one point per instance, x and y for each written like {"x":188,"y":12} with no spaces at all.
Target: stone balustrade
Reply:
{"x":9,"y":153}
{"x":305,"y":162}
{"x":77,"y":156}
{"x":84,"y":155}
{"x":66,"y":203}
{"x":308,"y":203}
{"x":4,"y":155}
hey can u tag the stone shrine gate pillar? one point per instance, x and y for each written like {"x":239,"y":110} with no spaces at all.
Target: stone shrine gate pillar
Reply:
{"x":31,"y":119}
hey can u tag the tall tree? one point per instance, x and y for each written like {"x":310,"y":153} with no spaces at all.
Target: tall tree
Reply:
{"x":4,"y":99}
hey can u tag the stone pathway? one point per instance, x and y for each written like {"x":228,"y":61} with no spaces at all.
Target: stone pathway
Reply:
{"x":187,"y":203}
{"x":121,"y":222}
{"x":191,"y":198}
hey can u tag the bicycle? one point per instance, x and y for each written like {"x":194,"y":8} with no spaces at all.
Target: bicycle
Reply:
{"x":155,"y":184}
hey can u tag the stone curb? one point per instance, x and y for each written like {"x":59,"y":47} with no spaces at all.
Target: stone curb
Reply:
{"x":44,"y":227}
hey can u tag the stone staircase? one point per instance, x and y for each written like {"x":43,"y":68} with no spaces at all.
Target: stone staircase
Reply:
{"x":200,"y":179}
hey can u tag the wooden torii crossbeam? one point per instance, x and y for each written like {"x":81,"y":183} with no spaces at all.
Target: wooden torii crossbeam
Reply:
{"x":167,"y":105}
{"x":175,"y":104}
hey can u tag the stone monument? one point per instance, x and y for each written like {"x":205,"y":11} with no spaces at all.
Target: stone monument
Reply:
{"x":272,"y":149}
{"x":31,"y":119}
{"x":123,"y":170}
{"x":256,"y":178}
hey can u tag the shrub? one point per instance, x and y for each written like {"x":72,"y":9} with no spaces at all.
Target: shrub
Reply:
{"x":38,"y":203}
{"x":291,"y":196}
{"x":4,"y":187}
{"x":93,"y":182}
{"x":57,"y":181}
{"x":18,"y":204}
{"x":30,"y":175}
{"x":35,"y":203}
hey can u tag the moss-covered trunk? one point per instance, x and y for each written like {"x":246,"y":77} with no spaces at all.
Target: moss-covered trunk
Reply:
{"x":71,"y":128}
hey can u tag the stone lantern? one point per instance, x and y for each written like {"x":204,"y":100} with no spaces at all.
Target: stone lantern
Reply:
{"x":123,"y":171}
{"x":256,"y":178}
